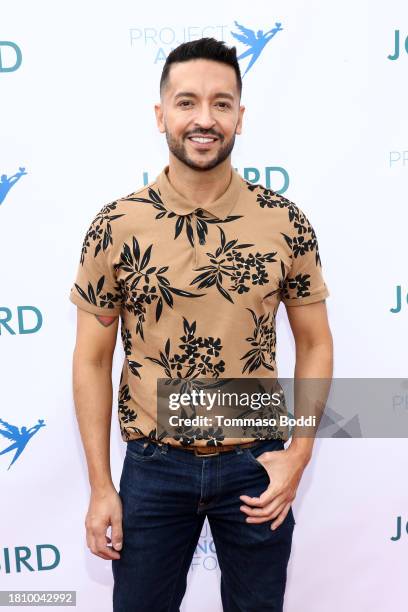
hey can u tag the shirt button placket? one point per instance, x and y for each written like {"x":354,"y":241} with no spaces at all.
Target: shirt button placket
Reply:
{"x":198,"y":211}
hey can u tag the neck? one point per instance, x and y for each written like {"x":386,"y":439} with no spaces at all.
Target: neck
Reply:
{"x":200,"y":186}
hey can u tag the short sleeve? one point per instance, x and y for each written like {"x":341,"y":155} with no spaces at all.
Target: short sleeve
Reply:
{"x":304,"y":283}
{"x":95,"y":288}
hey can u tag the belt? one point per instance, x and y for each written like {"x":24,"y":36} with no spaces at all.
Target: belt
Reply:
{"x":205,"y":451}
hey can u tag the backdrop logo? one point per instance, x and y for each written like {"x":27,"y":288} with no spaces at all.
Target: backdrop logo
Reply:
{"x":10,"y":56}
{"x":7,"y":182}
{"x":45,"y":557}
{"x":398,"y":300}
{"x":164,"y":40}
{"x":396,"y":52}
{"x":205,"y":555}
{"x":255,"y":42}
{"x":398,"y":158}
{"x":22,"y":324}
{"x":271,"y":177}
{"x":398,"y":535}
{"x":19,"y":436}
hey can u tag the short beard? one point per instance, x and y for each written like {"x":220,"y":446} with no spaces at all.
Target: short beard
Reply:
{"x":179,"y":151}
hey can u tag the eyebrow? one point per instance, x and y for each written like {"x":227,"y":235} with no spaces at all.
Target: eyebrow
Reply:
{"x":190,"y":94}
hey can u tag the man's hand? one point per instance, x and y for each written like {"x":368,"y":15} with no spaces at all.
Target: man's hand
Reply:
{"x":105,"y":508}
{"x":285,"y":469}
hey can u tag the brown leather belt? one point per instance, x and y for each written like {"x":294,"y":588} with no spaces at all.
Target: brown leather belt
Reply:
{"x":205,"y":451}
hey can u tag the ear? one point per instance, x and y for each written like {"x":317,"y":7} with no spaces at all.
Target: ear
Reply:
{"x":238,"y":129}
{"x":158,"y":109}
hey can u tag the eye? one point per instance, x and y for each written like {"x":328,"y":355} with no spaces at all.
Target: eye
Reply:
{"x":223,"y":105}
{"x":184,"y":103}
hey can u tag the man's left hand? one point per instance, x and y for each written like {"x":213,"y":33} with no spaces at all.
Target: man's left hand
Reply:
{"x":285,"y":469}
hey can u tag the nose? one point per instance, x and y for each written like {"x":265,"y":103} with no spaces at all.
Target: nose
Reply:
{"x":204,"y":117}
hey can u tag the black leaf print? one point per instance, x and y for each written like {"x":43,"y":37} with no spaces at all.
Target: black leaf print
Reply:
{"x":222,"y":238}
{"x":133,"y":366}
{"x":159,"y":309}
{"x":300,"y":246}
{"x":142,"y":287}
{"x":297,"y":286}
{"x":224,"y":292}
{"x":182,"y":221}
{"x":91,"y":293}
{"x":126,"y":414}
{"x":107,"y":300}
{"x":196,"y":357}
{"x":281,"y":283}
{"x":229,"y":266}
{"x":202,"y":231}
{"x":126,"y":257}
{"x":127,"y":347}
{"x":100,"y":231}
{"x":107,"y":237}
{"x":162,"y":279}
{"x":146,"y":257}
{"x":154,"y":196}
{"x":184,"y":293}
{"x":126,"y":338}
{"x":263,"y":341}
{"x":136,"y":250}
{"x":179,"y":226}
{"x":100,"y":285}
{"x":305,"y":240}
{"x":288,"y":240}
{"x":81,"y":292}
{"x":167,"y":295}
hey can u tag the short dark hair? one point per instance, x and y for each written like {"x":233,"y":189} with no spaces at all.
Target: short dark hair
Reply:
{"x":203,"y":48}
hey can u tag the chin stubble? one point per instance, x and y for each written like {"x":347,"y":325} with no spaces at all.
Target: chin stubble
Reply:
{"x":179,"y":151}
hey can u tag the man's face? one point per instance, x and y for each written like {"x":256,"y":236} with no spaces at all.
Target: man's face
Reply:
{"x":200,"y":112}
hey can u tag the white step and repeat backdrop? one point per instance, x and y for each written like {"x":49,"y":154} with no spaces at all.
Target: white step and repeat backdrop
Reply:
{"x":326,"y":124}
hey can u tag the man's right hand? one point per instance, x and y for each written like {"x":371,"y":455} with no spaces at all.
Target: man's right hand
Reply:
{"x":105,"y":509}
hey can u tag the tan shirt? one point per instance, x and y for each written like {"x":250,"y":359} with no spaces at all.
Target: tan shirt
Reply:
{"x":197,"y":288}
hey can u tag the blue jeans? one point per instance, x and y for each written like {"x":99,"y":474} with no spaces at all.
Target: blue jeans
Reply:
{"x":166,"y":494}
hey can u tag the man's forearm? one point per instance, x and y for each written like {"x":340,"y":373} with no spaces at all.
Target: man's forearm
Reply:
{"x":92,"y":387}
{"x":312,"y":362}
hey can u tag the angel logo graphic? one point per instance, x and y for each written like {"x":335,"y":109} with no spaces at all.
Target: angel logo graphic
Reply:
{"x":255,"y":42}
{"x":7,"y":182}
{"x":20,"y":437}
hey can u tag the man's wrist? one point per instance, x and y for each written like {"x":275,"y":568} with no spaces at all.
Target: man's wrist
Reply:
{"x":99,"y":487}
{"x":302,"y":448}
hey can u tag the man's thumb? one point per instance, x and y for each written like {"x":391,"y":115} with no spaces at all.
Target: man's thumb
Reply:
{"x":117,"y":536}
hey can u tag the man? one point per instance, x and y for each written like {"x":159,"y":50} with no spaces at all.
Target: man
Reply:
{"x":195,"y":264}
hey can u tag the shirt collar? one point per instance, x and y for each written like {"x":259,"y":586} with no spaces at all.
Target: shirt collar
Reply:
{"x":176,"y":202}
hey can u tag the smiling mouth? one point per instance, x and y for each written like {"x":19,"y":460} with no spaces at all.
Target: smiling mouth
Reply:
{"x":203,"y":139}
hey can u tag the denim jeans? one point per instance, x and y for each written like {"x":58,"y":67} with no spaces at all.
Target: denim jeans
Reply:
{"x":166,"y":494}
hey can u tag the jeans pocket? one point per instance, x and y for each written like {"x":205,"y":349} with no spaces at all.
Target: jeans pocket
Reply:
{"x":142,"y":450}
{"x":253,"y":452}
{"x":253,"y":459}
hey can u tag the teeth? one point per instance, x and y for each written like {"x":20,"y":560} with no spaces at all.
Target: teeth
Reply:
{"x":203,"y":140}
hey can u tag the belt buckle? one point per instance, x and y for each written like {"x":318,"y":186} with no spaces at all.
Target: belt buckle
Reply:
{"x":205,"y":454}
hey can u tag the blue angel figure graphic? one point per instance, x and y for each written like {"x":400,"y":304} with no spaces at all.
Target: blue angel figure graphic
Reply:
{"x":20,"y":437}
{"x":6,"y":183}
{"x":255,"y":42}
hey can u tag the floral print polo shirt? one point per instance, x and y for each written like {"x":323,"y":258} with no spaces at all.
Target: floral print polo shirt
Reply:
{"x":197,"y":289}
